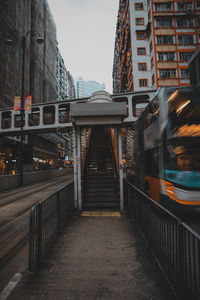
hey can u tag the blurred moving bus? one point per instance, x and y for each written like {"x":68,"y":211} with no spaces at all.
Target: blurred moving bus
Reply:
{"x":167,"y":148}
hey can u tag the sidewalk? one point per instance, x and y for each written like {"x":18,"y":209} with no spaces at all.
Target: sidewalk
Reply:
{"x":96,"y":258}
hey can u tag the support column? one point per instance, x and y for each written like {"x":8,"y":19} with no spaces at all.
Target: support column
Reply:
{"x":75,"y":168}
{"x":79,"y":168}
{"x":120,"y":169}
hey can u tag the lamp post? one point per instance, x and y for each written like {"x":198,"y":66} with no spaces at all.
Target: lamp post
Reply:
{"x":10,"y":42}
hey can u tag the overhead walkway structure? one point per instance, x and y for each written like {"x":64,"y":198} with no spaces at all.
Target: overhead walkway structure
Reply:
{"x":97,"y":123}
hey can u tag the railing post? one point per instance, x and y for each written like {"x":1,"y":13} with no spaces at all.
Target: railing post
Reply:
{"x":180,"y":274}
{"x":39,"y":233}
{"x":79,"y":168}
{"x":31,"y":240}
{"x":75,"y":169}
{"x":58,"y":212}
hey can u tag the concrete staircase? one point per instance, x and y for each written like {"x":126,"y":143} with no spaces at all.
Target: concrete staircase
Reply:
{"x":100,"y":184}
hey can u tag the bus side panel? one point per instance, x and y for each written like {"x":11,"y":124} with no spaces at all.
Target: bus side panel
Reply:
{"x":154,"y":186}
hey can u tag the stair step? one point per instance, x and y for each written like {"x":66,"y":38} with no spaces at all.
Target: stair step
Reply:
{"x":104,"y":198}
{"x":97,"y":189}
{"x":101,"y":205}
{"x":92,"y":200}
{"x":101,"y":198}
{"x":100,"y":175}
{"x":101,"y":182}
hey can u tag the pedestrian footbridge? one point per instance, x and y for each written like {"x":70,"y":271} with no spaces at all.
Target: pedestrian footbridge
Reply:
{"x":99,"y":124}
{"x":52,"y":116}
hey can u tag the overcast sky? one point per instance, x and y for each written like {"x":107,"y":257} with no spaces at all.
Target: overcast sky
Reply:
{"x":86,"y":35}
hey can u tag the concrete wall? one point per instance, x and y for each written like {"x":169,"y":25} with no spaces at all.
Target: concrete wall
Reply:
{"x":12,"y":181}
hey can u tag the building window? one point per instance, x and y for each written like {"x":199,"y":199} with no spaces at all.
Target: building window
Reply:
{"x":164,"y":39}
{"x":184,"y":22}
{"x":139,"y":6}
{"x":167,"y":73}
{"x":198,"y":20}
{"x":166,"y":56}
{"x":143,"y":82}
{"x":184,"y":6}
{"x":142,"y":66}
{"x":164,"y":22}
{"x":139,"y":21}
{"x":185,"y":39}
{"x":163,"y":6}
{"x":152,"y":62}
{"x":140,"y":35}
{"x":153,"y":79}
{"x":185,"y":73}
{"x":141,"y":51}
{"x":185,"y":56}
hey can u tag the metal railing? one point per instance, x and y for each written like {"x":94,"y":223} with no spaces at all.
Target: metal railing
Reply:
{"x":175,"y":246}
{"x":47,"y":219}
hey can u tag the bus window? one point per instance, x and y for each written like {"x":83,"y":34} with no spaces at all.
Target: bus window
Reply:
{"x":49,"y":115}
{"x":6,"y":120}
{"x":151,"y":162}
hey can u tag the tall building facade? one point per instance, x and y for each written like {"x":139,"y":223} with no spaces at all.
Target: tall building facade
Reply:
{"x":17,"y":18}
{"x":154,"y":41}
{"x":71,"y":91}
{"x":85,"y":88}
{"x":64,"y":81}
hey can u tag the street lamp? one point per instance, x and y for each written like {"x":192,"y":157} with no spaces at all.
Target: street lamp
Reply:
{"x":10,"y":42}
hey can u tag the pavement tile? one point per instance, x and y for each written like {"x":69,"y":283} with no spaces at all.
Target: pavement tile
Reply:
{"x":96,"y":258}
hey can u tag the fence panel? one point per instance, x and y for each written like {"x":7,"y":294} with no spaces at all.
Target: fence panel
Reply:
{"x":175,"y":245}
{"x":47,"y":219}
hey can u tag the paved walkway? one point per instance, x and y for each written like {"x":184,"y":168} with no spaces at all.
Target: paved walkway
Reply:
{"x":96,"y":258}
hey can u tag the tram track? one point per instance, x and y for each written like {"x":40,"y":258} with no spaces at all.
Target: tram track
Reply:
{"x":27,"y":208}
{"x":12,"y":196}
{"x":14,"y":228}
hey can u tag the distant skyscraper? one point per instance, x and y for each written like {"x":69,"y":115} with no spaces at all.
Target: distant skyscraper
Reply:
{"x":85,"y":88}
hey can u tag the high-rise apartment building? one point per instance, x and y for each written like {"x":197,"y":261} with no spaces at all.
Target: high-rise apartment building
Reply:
{"x":18,"y":19}
{"x":154,"y":42}
{"x":64,"y":81}
{"x":71,"y":92}
{"x":85,"y":88}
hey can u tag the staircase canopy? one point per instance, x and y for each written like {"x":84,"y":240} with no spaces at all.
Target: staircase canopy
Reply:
{"x":98,"y":110}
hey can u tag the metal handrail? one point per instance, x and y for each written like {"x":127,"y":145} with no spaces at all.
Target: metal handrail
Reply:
{"x":114,"y":156}
{"x":175,"y":246}
{"x":47,"y":219}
